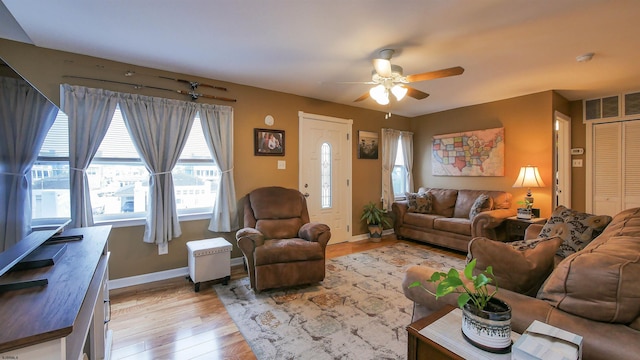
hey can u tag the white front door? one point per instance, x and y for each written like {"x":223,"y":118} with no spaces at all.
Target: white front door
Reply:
{"x":325,"y":171}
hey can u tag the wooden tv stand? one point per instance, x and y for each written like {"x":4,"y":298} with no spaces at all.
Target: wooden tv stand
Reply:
{"x":68,"y":317}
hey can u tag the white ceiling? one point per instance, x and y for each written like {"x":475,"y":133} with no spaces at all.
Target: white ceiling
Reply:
{"x":507,"y":47}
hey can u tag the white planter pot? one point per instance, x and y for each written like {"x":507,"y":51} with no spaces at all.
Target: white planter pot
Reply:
{"x":488,"y":329}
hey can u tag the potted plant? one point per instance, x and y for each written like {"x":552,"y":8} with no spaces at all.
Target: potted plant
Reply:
{"x":486,"y":321}
{"x":376,"y":218}
{"x":525,"y":211}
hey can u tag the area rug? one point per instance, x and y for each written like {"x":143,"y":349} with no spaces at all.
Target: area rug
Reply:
{"x":357,"y":312}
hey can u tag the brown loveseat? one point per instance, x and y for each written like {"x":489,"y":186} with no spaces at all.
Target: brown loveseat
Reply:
{"x":594,"y":292}
{"x":281,"y":247}
{"x":447,"y":222}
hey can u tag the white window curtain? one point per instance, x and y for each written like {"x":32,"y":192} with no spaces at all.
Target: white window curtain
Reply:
{"x":90,"y":112}
{"x":159,"y":129}
{"x":217,"y":126}
{"x":406,"y":141}
{"x":390,"y":138}
{"x":25,"y":118}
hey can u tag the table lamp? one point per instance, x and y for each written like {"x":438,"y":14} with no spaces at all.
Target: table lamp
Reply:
{"x":528,"y":177}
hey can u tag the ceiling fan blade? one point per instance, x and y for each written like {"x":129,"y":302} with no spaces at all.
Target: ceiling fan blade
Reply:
{"x":383,"y":67}
{"x":435,"y":74}
{"x":354,"y":82}
{"x":415,"y":93}
{"x":362,"y":97}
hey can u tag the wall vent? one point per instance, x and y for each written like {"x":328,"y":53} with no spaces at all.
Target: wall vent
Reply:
{"x":610,"y":107}
{"x":622,"y":107}
{"x":632,"y":104}
{"x":601,"y":108}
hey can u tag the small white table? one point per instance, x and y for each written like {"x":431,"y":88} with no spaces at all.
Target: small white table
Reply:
{"x":209,"y":259}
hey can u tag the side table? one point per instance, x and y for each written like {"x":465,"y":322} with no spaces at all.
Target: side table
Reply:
{"x":439,"y":336}
{"x":516,"y":227}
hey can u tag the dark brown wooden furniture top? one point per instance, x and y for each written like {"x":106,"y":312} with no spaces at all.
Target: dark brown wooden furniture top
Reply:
{"x":421,"y":347}
{"x":38,"y":314}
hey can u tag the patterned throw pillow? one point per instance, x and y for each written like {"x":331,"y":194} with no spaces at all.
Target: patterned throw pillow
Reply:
{"x":576,"y":229}
{"x":483,"y":202}
{"x":420,"y":202}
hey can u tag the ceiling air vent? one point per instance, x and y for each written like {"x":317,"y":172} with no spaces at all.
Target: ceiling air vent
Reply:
{"x":632,"y":104}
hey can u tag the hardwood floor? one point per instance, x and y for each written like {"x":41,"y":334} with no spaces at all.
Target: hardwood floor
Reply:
{"x":168,"y":320}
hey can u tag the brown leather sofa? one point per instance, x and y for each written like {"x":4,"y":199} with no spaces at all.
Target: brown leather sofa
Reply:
{"x":448,"y":223}
{"x":281,"y":247}
{"x":594,"y":292}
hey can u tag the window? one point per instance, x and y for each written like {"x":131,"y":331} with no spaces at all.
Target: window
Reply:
{"x":50,"y":174}
{"x":325,"y":174}
{"x":118,"y":180}
{"x":399,"y":174}
{"x":120,"y":187}
{"x":196,"y":176}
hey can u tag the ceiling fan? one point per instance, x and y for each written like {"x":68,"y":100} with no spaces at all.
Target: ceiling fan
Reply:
{"x":389,"y":78}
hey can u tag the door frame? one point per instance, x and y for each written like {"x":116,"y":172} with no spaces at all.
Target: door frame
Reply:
{"x":302,"y":116}
{"x":562,"y":161}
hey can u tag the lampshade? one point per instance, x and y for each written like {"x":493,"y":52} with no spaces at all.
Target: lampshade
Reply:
{"x":380,"y":94}
{"x":529,"y":177}
{"x":399,"y":91}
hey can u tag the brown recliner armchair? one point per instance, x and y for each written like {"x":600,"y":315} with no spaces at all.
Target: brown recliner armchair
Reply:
{"x":280,"y":246}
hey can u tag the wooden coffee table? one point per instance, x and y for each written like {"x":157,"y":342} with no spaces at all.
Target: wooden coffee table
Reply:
{"x":438,"y":336}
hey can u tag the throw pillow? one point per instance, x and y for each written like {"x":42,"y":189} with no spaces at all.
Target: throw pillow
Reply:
{"x":576,"y":229}
{"x":483,"y":202}
{"x":420,"y":202}
{"x":520,"y":266}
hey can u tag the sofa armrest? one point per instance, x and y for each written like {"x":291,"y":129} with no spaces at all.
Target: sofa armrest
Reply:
{"x":248,"y":240}
{"x":419,"y":294}
{"x":399,"y":208}
{"x":532,"y":231}
{"x":485,"y":223}
{"x":315,"y":232}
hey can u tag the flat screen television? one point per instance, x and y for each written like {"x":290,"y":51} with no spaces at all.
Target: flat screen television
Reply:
{"x":40,"y":233}
{"x":42,"y":229}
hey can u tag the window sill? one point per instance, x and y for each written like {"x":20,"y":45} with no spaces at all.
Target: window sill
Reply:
{"x":118,"y":223}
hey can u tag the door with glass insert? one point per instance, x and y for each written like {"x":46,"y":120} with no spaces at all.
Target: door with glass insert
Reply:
{"x":325,"y":172}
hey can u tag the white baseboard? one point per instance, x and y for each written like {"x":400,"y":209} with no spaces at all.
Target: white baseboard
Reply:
{"x":366,"y":236}
{"x":157,"y":276}
{"x":174,"y":273}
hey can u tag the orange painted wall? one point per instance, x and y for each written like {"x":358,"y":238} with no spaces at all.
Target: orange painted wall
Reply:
{"x":528,"y":130}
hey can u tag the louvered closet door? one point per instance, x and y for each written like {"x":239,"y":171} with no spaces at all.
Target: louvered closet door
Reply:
{"x":631,"y":135}
{"x":607,"y":167}
{"x":616,"y":167}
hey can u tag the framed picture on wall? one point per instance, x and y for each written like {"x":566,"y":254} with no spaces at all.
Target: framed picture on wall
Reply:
{"x":367,"y":145}
{"x":268,"y":142}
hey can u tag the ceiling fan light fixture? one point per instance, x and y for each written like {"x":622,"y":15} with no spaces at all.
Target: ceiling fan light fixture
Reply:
{"x":380,"y":94}
{"x":399,"y":91}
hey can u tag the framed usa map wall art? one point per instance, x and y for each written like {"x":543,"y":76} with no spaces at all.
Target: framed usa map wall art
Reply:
{"x":470,"y":153}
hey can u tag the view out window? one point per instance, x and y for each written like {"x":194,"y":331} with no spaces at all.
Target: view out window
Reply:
{"x":399,"y":174}
{"x":50,"y":174}
{"x":118,"y":180}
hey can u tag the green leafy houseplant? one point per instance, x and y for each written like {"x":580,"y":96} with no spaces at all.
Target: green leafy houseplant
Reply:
{"x":374,"y":215}
{"x":450,"y":282}
{"x":526,"y":204}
